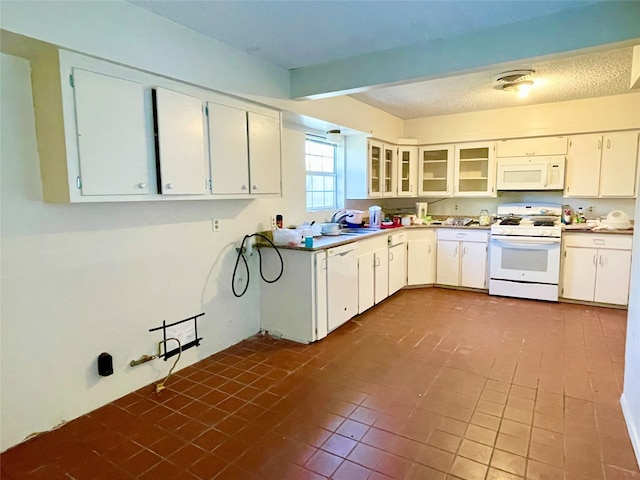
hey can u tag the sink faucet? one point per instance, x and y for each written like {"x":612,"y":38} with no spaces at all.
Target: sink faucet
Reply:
{"x":338,"y":216}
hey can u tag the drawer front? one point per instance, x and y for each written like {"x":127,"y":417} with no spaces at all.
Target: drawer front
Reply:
{"x":462,"y":235}
{"x":592,"y":240}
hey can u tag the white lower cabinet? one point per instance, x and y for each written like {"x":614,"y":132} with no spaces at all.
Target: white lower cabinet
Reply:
{"x":397,"y":261}
{"x":596,"y":268}
{"x":342,"y":285}
{"x":462,"y":258}
{"x":421,"y":257}
{"x":373,"y":272}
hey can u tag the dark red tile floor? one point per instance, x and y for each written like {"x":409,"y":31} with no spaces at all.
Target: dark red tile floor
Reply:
{"x":431,"y":384}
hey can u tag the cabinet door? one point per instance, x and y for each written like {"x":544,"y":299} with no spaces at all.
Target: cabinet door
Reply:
{"x":320,"y":296}
{"x":619,"y":159}
{"x":376,"y":168}
{"x":229,"y":155}
{"x":181,"y":148}
{"x":264,"y":153}
{"x":473,"y":265}
{"x":406,"y":171}
{"x":420,"y":261}
{"x":435,"y":171}
{"x":579,"y":273}
{"x":366,"y":283}
{"x":448,"y":263}
{"x":342,"y":288}
{"x":389,"y":171}
{"x":397,"y":267}
{"x":112,"y":139}
{"x":474,"y":170}
{"x":381,"y":275}
{"x":583,"y":166}
{"x":532,"y":146}
{"x":612,"y":278}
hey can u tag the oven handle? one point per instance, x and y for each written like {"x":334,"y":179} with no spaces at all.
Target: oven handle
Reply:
{"x":523,"y":242}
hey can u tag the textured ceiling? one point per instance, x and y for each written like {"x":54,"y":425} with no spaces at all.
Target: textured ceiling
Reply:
{"x":569,"y":78}
{"x":293,"y":34}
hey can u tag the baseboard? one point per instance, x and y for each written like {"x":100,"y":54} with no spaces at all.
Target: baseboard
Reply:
{"x":633,"y":426}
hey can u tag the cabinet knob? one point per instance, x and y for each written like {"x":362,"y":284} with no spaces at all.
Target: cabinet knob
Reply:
{"x":255,"y":187}
{"x":142,"y":185}
{"x":169,"y":186}
{"x":243,"y":187}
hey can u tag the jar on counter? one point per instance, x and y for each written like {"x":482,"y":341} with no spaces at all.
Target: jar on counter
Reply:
{"x":485,"y":219}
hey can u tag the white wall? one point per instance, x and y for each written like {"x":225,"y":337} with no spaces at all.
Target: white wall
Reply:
{"x":631,"y":389}
{"x":78,"y":280}
{"x":616,"y":112}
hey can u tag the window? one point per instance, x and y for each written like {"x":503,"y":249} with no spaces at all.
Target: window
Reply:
{"x":320,"y":160}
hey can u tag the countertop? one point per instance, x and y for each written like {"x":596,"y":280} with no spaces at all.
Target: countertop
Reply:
{"x":329,"y":241}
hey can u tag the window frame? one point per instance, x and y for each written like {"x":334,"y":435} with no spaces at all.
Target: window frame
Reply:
{"x":310,"y":137}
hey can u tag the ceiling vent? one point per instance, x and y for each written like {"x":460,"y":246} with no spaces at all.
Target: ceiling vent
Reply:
{"x":518,"y":81}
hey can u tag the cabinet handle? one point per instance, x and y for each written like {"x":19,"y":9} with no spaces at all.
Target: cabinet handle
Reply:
{"x":600,"y":144}
{"x":391,"y":256}
{"x":429,"y":249}
{"x":455,"y":252}
{"x":169,"y":186}
{"x":531,"y":153}
{"x":464,"y":251}
{"x":609,"y":143}
{"x":142,"y":185}
{"x":601,"y":261}
{"x":243,"y":187}
{"x":595,"y":261}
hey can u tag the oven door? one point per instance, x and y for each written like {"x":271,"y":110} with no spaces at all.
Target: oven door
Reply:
{"x":525,"y":259}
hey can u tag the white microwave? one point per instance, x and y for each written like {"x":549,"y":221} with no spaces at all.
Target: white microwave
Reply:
{"x":531,"y":173}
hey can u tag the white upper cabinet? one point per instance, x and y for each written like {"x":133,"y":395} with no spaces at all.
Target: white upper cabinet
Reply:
{"x":182,"y":162}
{"x":228,"y":149}
{"x":602,"y":165}
{"x":407,"y":171}
{"x":475,"y":170}
{"x":264,"y":153}
{"x":435,"y":171}
{"x":370,"y":168}
{"x":244,"y":148}
{"x":112,"y":146}
{"x":525,"y":147}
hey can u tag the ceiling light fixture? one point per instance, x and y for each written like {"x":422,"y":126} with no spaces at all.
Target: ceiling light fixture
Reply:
{"x":515,"y":81}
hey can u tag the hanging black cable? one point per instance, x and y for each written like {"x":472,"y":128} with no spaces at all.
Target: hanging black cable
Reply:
{"x":246,"y":266}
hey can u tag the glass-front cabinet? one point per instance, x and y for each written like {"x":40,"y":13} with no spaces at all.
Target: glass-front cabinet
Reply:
{"x":407,"y":184}
{"x":381,"y":169}
{"x":435,"y":170}
{"x":475,"y":170}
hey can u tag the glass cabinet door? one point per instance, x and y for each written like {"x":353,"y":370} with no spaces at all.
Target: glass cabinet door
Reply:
{"x":389,"y":187}
{"x":406,"y":172}
{"x":375,"y":168}
{"x":435,"y":170}
{"x":475,"y":170}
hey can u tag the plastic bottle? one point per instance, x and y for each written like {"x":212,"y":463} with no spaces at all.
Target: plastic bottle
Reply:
{"x":581,"y":218}
{"x":279,"y":221}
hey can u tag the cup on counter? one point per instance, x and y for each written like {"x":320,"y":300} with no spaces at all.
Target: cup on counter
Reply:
{"x":308,"y":238}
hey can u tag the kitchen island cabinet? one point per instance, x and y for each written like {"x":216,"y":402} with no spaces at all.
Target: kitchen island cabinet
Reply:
{"x":596,"y":268}
{"x":462,"y":258}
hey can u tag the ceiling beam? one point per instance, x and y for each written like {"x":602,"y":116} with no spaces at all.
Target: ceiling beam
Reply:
{"x":588,"y":27}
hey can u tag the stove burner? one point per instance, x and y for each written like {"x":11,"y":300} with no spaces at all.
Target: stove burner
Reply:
{"x":543,"y":223}
{"x":511,"y":221}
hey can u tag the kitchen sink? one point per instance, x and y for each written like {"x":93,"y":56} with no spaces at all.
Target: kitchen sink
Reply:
{"x":356,"y":231}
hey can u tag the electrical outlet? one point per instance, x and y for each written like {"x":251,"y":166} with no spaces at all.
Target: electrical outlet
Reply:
{"x":215,"y":225}
{"x":455,"y":207}
{"x":272,"y":222}
{"x":590,"y":209}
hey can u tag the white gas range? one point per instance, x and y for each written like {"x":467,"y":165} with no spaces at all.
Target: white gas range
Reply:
{"x":525,"y":251}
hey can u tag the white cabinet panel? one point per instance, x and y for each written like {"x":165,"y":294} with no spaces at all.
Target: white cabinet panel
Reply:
{"x":407,"y":171}
{"x":435,"y":170}
{"x":381,"y":275}
{"x":618,"y":169}
{"x":397,"y":267}
{"x":111,"y":132}
{"x":524,"y":147}
{"x":475,"y":170}
{"x":342,"y":286}
{"x":421,"y":259}
{"x":264,"y":153}
{"x":474,"y":265}
{"x":602,"y":165}
{"x":181,"y":147}
{"x":229,"y":155}
{"x":366,"y":281}
{"x":612,"y":280}
{"x":448,"y":263}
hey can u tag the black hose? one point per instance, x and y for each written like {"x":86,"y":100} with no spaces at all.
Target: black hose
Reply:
{"x":246,"y":266}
